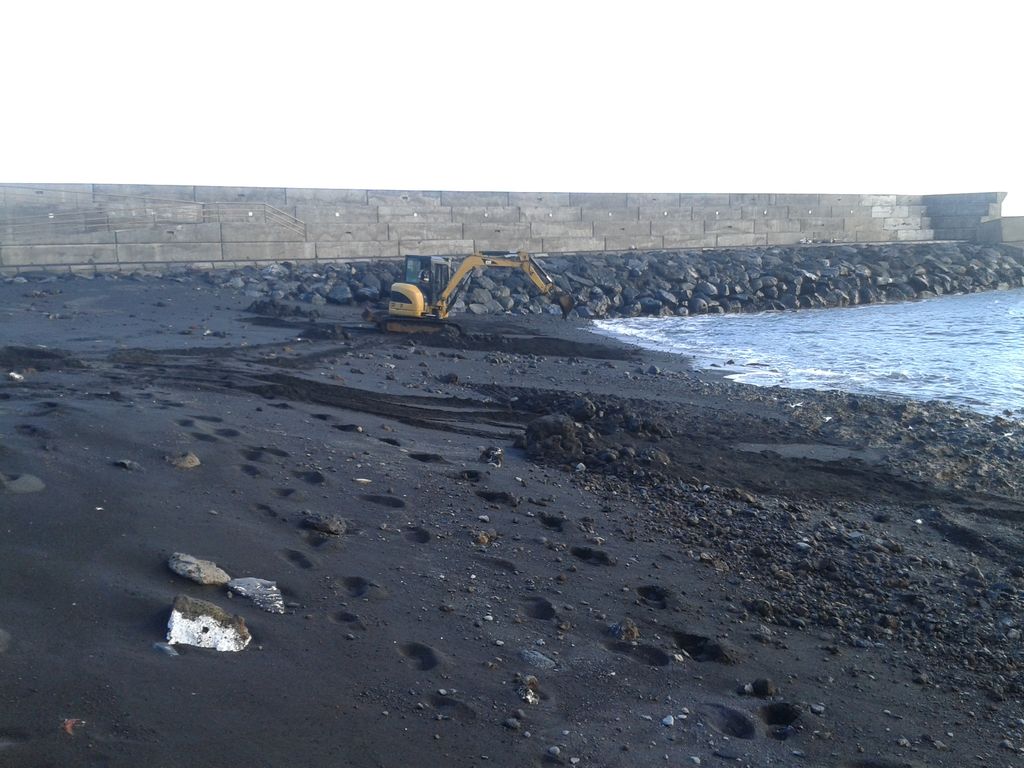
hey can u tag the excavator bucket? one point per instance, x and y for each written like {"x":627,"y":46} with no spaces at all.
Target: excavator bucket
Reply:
{"x":567,"y":303}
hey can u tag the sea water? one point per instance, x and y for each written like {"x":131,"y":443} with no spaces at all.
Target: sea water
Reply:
{"x":967,"y":350}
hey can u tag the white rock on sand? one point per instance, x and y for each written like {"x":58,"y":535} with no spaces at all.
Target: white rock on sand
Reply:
{"x":205,"y":625}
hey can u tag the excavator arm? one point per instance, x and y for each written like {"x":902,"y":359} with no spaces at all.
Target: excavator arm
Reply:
{"x":521,"y":260}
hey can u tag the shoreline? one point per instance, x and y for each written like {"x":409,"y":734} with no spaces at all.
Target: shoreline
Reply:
{"x":769,"y":370}
{"x":837,"y":604}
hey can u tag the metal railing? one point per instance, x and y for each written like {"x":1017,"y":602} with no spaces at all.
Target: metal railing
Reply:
{"x":248,"y":212}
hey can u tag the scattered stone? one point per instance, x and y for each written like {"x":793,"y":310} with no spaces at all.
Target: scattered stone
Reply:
{"x":332,"y":525}
{"x":200,"y":571}
{"x":205,"y":625}
{"x":763,"y":688}
{"x":668,"y":721}
{"x":186,"y":460}
{"x":626,"y":630}
{"x":263,"y":593}
{"x":166,"y":649}
{"x":536,"y":659}
{"x":485,"y":538}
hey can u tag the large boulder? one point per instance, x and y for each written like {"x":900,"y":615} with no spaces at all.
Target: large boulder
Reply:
{"x":553,"y":425}
{"x":340,"y":294}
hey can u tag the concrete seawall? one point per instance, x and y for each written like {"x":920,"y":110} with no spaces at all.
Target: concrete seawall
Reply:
{"x":125,"y":227}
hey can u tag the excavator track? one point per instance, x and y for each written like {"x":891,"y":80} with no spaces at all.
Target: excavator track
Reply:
{"x":418,"y":325}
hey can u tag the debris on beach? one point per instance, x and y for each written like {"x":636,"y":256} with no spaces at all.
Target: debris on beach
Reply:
{"x":131,"y":466}
{"x":69,"y":724}
{"x":186,"y":460}
{"x":492,"y":455}
{"x":265,"y":594}
{"x":15,"y":376}
{"x":205,"y":625}
{"x":199,"y":571}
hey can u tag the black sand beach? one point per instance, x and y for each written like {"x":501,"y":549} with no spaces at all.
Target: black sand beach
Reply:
{"x":664,"y":568}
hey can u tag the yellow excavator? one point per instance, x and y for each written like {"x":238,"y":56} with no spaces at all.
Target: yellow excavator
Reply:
{"x":421,"y":304}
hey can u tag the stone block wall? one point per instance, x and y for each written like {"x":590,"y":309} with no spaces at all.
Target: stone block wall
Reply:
{"x":345,"y":224}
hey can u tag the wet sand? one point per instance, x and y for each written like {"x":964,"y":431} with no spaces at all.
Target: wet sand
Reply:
{"x":791,"y":589}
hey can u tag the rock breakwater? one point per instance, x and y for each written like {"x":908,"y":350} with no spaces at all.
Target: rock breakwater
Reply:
{"x":682,"y":282}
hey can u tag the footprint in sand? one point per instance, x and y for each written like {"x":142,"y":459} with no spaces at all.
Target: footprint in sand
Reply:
{"x":592,"y":556}
{"x":204,"y":438}
{"x":298,"y":559}
{"x":250,"y":470}
{"x":498,"y":563}
{"x":540,"y":608}
{"x":31,"y":430}
{"x":185,"y":422}
{"x":498,"y":497}
{"x":349,"y":618}
{"x":780,"y":718}
{"x":384,"y":501}
{"x":654,"y":596}
{"x":417,"y":535}
{"x":285,"y":493}
{"x":428,"y":458}
{"x":422,"y":657}
{"x":357,"y":586}
{"x":46,"y":408}
{"x":311,"y":476}
{"x":256,"y":453}
{"x":23,"y":483}
{"x":728,"y":721}
{"x":453,"y":708}
{"x":644,"y":654}
{"x":12,"y":737}
{"x":554,"y":522}
{"x":208,"y":419}
{"x":227,"y":432}
{"x":704,"y":649}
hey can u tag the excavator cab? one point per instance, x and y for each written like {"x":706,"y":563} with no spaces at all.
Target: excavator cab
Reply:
{"x":430,"y":274}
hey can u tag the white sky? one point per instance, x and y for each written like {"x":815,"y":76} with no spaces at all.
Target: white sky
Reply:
{"x":773,"y":96}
